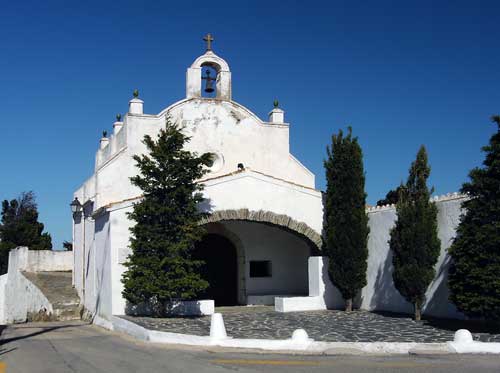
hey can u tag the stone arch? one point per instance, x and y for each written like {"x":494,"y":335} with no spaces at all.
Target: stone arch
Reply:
{"x":212,"y":59}
{"x":268,"y":217}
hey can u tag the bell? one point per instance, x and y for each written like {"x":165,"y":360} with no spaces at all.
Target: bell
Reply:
{"x":209,"y":87}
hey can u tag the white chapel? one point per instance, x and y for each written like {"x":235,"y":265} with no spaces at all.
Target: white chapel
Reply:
{"x":266,"y":215}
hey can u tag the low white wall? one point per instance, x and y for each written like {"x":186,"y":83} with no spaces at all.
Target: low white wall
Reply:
{"x":40,"y":260}
{"x":322,"y":294}
{"x":261,"y":300}
{"x":21,"y":296}
{"x":49,"y":261}
{"x":204,"y":307}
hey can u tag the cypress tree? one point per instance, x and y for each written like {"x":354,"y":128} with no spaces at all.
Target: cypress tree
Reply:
{"x":20,"y":227}
{"x":474,"y":276}
{"x":414,"y":241}
{"x":160,"y":268}
{"x":346,"y":223}
{"x":391,"y":198}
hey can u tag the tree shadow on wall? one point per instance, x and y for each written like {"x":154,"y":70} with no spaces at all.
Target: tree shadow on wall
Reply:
{"x":385,"y":295}
{"x":206,"y":206}
{"x":332,"y":296}
{"x":99,"y":226}
{"x":438,"y":303}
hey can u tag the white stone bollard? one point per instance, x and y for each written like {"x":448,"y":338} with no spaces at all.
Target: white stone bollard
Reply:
{"x":463,"y":336}
{"x":300,"y":336}
{"x":217,"y":328}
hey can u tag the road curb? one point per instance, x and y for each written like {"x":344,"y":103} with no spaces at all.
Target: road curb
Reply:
{"x":298,"y":344}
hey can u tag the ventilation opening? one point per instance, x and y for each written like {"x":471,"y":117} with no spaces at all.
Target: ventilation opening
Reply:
{"x":261,"y":268}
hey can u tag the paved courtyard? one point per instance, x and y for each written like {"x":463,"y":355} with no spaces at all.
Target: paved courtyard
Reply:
{"x":334,"y":326}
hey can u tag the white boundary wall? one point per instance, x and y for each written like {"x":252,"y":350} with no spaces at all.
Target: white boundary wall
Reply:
{"x":380,"y":293}
{"x":49,"y":261}
{"x":21,"y":296}
{"x":18,"y":295}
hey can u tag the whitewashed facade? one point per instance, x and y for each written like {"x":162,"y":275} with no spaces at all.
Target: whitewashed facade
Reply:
{"x":262,"y":199}
{"x":265,"y":211}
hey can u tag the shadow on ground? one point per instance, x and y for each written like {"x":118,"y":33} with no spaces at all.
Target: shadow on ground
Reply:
{"x":474,"y":326}
{"x":40,"y":329}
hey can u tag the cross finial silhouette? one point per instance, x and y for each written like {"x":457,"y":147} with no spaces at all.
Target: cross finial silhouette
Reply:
{"x":209,"y":39}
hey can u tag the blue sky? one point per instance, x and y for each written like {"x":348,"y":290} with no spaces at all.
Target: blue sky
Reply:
{"x":402,"y":73}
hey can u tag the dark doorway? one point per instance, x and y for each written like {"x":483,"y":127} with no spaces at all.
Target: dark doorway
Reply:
{"x":220,"y":269}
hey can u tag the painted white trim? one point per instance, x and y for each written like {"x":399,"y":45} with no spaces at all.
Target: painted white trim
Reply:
{"x":303,"y":343}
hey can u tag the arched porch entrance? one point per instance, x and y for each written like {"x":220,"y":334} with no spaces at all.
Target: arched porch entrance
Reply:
{"x":252,"y":257}
{"x":220,"y":269}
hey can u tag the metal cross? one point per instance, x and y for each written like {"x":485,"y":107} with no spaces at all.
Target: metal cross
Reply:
{"x":209,"y":39}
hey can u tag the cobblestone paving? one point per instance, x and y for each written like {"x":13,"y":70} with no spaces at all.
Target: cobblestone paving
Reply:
{"x":334,"y":326}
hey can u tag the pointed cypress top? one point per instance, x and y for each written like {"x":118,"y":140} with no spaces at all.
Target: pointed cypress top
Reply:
{"x":496,"y":119}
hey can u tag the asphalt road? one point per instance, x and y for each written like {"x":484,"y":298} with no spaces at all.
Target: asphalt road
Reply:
{"x":78,"y":347}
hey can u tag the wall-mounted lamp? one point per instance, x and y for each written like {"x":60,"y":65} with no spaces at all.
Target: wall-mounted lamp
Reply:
{"x":76,"y":206}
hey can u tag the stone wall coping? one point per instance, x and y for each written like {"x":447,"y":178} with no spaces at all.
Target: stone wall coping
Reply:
{"x":441,"y":198}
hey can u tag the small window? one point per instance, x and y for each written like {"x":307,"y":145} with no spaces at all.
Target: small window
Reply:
{"x":261,"y":268}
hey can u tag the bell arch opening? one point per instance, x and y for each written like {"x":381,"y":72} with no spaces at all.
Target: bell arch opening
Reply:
{"x":219,"y":73}
{"x":209,"y":80}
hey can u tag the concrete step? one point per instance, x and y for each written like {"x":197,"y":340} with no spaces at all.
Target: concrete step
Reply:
{"x":67,"y":313}
{"x":57,"y":287}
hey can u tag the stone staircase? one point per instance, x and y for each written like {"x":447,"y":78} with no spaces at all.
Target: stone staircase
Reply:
{"x":57,"y":287}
